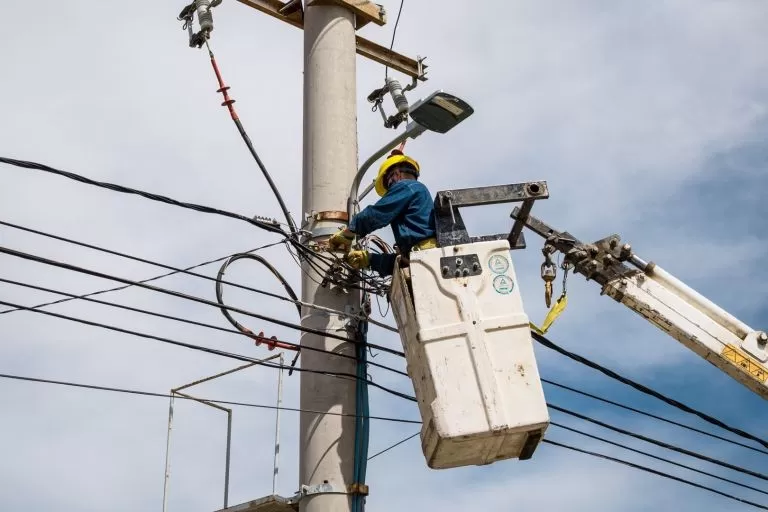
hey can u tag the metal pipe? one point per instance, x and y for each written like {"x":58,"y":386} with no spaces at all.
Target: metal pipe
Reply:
{"x":412,"y":130}
{"x":222,"y":374}
{"x":698,"y":301}
{"x":277,"y":423}
{"x":168,"y":455}
{"x":226,"y":468}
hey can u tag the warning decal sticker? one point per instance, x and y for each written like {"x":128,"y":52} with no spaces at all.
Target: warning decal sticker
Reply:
{"x":745,"y":362}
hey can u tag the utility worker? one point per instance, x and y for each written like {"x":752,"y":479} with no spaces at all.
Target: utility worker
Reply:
{"x":405,"y":204}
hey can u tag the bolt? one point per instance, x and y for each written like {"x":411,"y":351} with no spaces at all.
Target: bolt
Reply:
{"x":762,"y":338}
{"x":465,"y":272}
{"x":613,"y":243}
{"x":475,"y":266}
{"x":459,"y":262}
{"x":457,"y":273}
{"x":446,"y":270}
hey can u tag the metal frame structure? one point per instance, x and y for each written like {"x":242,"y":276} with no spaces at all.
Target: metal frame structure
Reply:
{"x":177,"y":392}
{"x":451,"y":229}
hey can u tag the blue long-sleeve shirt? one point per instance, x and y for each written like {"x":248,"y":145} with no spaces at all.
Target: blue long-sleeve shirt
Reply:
{"x":407,"y":207}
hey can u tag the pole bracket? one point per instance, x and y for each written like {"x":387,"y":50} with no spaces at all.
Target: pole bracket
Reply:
{"x":359,"y":489}
{"x":365,"y":11}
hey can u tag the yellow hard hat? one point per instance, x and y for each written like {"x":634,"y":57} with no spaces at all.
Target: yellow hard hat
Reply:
{"x":396,"y":157}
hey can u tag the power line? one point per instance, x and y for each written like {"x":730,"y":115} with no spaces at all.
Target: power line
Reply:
{"x":229,"y":103}
{"x":155,"y":278}
{"x":394,"y":33}
{"x":270,"y":226}
{"x":193,"y":298}
{"x":222,"y":402}
{"x":651,"y":415}
{"x":222,"y":353}
{"x":660,"y":443}
{"x":385,"y":450}
{"x":646,"y":390}
{"x":625,"y":447}
{"x":176,"y":270}
{"x":188,"y":321}
{"x":654,"y":471}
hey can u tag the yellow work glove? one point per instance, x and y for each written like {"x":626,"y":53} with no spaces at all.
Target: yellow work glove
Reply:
{"x":341,"y":240}
{"x":358,"y":259}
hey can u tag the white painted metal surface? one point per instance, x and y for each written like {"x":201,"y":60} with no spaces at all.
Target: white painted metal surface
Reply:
{"x":697,"y":323}
{"x":470,"y":356}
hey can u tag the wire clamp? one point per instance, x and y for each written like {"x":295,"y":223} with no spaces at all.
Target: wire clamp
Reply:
{"x":359,"y":489}
{"x":324,"y":488}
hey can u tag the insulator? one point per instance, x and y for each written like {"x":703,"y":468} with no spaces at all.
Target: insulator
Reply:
{"x":396,"y":90}
{"x":204,"y":15}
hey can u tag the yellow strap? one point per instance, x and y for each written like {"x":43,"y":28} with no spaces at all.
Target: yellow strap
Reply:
{"x":555,"y":312}
{"x":429,"y":243}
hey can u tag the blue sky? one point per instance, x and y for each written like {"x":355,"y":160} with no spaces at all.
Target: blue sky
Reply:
{"x":646,"y":119}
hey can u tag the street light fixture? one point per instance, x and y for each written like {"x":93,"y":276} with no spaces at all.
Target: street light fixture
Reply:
{"x":439,"y":112}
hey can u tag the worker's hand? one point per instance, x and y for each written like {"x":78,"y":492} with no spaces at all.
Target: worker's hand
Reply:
{"x":341,"y":240}
{"x":358,"y":259}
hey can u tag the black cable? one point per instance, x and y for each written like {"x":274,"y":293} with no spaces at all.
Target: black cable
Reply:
{"x":654,"y":471}
{"x":174,"y":270}
{"x":229,"y":104}
{"x":293,"y":299}
{"x":385,"y":450}
{"x":668,"y":461}
{"x":119,"y":288}
{"x":644,"y":389}
{"x":654,"y":416}
{"x":220,"y":292}
{"x":222,"y":353}
{"x":394,"y":33}
{"x":193,"y":298}
{"x":187,"y":321}
{"x":222,"y":402}
{"x":268,"y":226}
{"x":271,"y":226}
{"x":659,"y":443}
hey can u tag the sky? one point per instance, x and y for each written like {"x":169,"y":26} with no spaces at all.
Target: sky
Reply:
{"x":646,"y":119}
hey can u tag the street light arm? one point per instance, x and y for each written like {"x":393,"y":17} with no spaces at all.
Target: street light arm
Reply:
{"x":412,"y":131}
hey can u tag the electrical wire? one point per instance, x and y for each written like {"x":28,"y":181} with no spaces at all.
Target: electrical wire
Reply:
{"x":385,"y":450}
{"x":119,"y":288}
{"x":220,"y":291}
{"x":193,"y":298}
{"x":659,"y":443}
{"x":668,"y":461}
{"x":646,"y":390}
{"x":229,"y":104}
{"x":394,"y":33}
{"x":271,"y":225}
{"x":654,"y":471}
{"x":279,"y":343}
{"x":268,"y":225}
{"x":651,"y":415}
{"x":187,"y":271}
{"x":95,"y":387}
{"x":212,"y":351}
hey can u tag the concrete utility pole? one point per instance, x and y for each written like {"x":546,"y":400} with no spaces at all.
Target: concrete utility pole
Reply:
{"x":330,"y":164}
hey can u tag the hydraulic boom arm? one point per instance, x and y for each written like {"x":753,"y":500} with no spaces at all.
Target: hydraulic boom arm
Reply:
{"x":659,"y":297}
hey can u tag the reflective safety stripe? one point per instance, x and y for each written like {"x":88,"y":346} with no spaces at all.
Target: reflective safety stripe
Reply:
{"x":557,"y":308}
{"x":428,"y":243}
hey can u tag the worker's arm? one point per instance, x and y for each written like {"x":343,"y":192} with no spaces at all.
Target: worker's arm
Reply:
{"x":383,"y":212}
{"x":383,"y":264}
